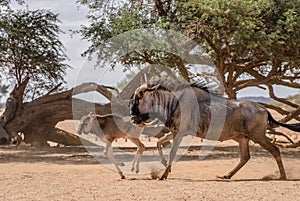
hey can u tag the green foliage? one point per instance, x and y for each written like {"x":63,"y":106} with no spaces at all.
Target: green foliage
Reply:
{"x":5,"y":3}
{"x":238,"y":32}
{"x":119,"y":21}
{"x":30,"y":48}
{"x":251,"y":42}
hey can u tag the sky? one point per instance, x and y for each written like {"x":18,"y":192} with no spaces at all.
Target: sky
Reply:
{"x":73,"y":16}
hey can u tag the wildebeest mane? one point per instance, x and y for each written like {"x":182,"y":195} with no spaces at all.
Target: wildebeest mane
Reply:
{"x":201,"y":84}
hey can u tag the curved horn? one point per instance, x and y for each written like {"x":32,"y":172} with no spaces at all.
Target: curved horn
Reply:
{"x":155,"y":87}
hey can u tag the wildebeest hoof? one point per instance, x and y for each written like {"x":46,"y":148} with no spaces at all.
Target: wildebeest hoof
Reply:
{"x":122,"y":176}
{"x":273,"y":177}
{"x":223,"y":177}
{"x":137,"y":171}
{"x":282,"y":178}
{"x":163,"y":177}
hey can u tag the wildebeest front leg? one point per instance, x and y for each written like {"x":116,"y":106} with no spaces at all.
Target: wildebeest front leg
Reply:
{"x":160,"y":142}
{"x":109,"y":154}
{"x":244,"y":154}
{"x":176,"y":142}
{"x":139,"y":152}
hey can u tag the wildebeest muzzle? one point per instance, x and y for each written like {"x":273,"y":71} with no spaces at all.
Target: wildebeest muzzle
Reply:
{"x":140,"y":118}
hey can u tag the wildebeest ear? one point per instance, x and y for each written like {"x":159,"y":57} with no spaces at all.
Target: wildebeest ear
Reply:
{"x":153,"y":88}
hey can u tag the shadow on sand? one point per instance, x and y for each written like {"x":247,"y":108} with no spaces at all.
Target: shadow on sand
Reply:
{"x":80,"y":155}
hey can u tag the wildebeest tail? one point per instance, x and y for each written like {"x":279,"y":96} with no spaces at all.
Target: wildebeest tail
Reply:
{"x":273,"y":123}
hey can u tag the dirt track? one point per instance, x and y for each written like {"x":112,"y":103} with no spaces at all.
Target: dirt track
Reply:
{"x":70,"y":173}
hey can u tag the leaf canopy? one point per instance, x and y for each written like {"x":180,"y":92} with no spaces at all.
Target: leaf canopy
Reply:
{"x":247,"y":40}
{"x":30,"y":48}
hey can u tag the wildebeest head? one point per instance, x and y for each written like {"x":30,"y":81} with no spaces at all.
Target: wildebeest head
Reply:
{"x":141,"y":103}
{"x":86,"y":123}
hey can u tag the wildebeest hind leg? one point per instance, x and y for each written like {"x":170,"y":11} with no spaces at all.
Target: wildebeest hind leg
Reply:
{"x":109,"y":154}
{"x":244,"y":156}
{"x":270,"y":147}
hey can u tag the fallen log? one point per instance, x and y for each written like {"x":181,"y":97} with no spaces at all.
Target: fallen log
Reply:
{"x":68,"y":139}
{"x":38,"y":118}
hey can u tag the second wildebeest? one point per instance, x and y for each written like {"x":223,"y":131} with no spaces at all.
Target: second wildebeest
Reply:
{"x":243,"y":121}
{"x":110,"y":127}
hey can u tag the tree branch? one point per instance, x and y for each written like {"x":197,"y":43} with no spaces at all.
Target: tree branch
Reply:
{"x":89,"y":87}
{"x":55,"y":88}
{"x":160,"y":8}
{"x":282,"y":100}
{"x":292,"y":115}
{"x":281,"y":111}
{"x":273,"y":107}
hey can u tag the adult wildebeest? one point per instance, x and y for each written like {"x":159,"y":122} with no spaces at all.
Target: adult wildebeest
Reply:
{"x":110,"y":127}
{"x":244,"y":120}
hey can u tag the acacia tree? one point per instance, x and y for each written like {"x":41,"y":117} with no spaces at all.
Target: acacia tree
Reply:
{"x":252,"y":43}
{"x":30,"y":49}
{"x":31,"y":57}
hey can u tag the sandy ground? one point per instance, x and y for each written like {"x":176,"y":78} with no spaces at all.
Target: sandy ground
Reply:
{"x":72,"y":173}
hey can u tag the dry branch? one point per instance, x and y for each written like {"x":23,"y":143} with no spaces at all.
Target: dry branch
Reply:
{"x":292,"y":115}
{"x":282,"y":100}
{"x":273,"y":132}
{"x":295,"y":145}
